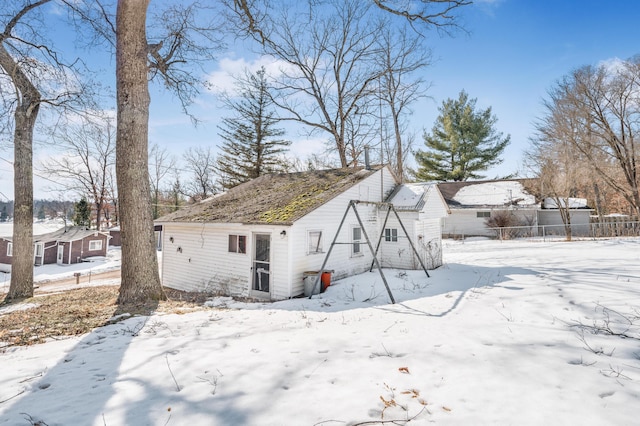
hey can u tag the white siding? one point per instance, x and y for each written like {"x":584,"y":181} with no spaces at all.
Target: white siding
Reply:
{"x":465,"y":223}
{"x":196,"y":258}
{"x":552,"y":219}
{"x":426,"y":238}
{"x":327,"y":218}
{"x":435,"y":206}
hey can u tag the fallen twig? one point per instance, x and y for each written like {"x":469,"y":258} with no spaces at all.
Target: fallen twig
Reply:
{"x":10,"y":398}
{"x":166,"y":357}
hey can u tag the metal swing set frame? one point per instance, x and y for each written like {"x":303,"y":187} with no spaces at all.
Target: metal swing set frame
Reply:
{"x":375,"y":262}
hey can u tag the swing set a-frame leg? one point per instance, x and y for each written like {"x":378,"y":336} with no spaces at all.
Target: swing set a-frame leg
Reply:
{"x":352,"y":204}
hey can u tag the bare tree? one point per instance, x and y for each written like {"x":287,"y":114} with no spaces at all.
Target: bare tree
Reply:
{"x":183,"y":37}
{"x":558,"y":167}
{"x":439,"y":14}
{"x":329,"y":74}
{"x":160,"y":165}
{"x":598,"y":109}
{"x":329,"y":48}
{"x":32,"y":74}
{"x":140,"y":277}
{"x":402,"y":54}
{"x":87,"y":162}
{"x":175,"y":194}
{"x":200,"y":164}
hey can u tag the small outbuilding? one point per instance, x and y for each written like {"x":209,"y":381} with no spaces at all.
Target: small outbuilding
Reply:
{"x":261,"y":238}
{"x":65,"y":246}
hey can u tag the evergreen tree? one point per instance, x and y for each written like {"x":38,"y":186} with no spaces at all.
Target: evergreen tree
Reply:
{"x":251,"y":146}
{"x":462,"y":143}
{"x":41,"y":213}
{"x":4,"y":215}
{"x":82,"y":216}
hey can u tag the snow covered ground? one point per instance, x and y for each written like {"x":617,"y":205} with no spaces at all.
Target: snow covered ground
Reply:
{"x":45,"y":273}
{"x":501,"y":334}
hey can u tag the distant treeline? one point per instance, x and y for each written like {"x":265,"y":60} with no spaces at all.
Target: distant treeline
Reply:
{"x":42,"y":209}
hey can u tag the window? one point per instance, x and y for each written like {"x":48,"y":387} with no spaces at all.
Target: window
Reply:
{"x":391,"y":234}
{"x":315,"y":242}
{"x":356,"y":235}
{"x":10,"y":249}
{"x":483,"y":214}
{"x":39,"y":249}
{"x":95,"y":245}
{"x":238,"y":244}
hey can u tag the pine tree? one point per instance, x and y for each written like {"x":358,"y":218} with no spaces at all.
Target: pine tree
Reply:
{"x":462,"y":143}
{"x":82,"y":216}
{"x":251,"y":146}
{"x":4,"y":216}
{"x":41,"y":213}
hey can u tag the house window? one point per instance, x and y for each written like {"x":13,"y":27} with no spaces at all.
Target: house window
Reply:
{"x":10,"y":249}
{"x":391,"y":234}
{"x":238,"y":244}
{"x":356,"y":238}
{"x":314,"y":239}
{"x":95,"y":245}
{"x":39,"y":249}
{"x":483,"y":214}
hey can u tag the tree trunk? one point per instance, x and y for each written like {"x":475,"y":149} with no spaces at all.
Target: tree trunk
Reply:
{"x":399,"y":150}
{"x":140,"y":277}
{"x":98,"y":216}
{"x":26,"y":113}
{"x":598,"y":201}
{"x":22,"y":260}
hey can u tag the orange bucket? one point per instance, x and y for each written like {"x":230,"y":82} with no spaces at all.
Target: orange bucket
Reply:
{"x":325,"y":278}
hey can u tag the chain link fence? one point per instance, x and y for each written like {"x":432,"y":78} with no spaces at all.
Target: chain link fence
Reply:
{"x":613,"y":229}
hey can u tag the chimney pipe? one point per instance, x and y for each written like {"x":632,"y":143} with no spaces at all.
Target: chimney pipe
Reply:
{"x":366,"y":158}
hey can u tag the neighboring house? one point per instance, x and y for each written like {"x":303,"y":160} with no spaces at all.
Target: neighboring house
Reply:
{"x":116,"y":238}
{"x":549,"y":218}
{"x":259,"y":238}
{"x":6,"y":254}
{"x":421,"y":209}
{"x":64,"y":246}
{"x":472,"y":203}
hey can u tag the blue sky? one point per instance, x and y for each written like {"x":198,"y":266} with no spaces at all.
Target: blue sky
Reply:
{"x":518,"y":49}
{"x":513,"y":53}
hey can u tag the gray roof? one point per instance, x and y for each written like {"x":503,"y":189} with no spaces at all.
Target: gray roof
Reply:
{"x":279,"y":199}
{"x":70,"y":233}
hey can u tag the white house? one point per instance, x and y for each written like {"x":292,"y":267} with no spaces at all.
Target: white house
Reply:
{"x":550,"y":218}
{"x":259,"y":238}
{"x":471,"y":203}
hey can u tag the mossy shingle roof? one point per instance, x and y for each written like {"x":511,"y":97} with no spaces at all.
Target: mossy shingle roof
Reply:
{"x":272,"y":199}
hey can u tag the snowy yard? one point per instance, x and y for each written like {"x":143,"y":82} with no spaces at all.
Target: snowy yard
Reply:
{"x":503,"y":333}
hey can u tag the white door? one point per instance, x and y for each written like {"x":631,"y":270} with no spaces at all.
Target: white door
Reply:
{"x":39,"y":254}
{"x":60,"y":254}
{"x":261,"y":256}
